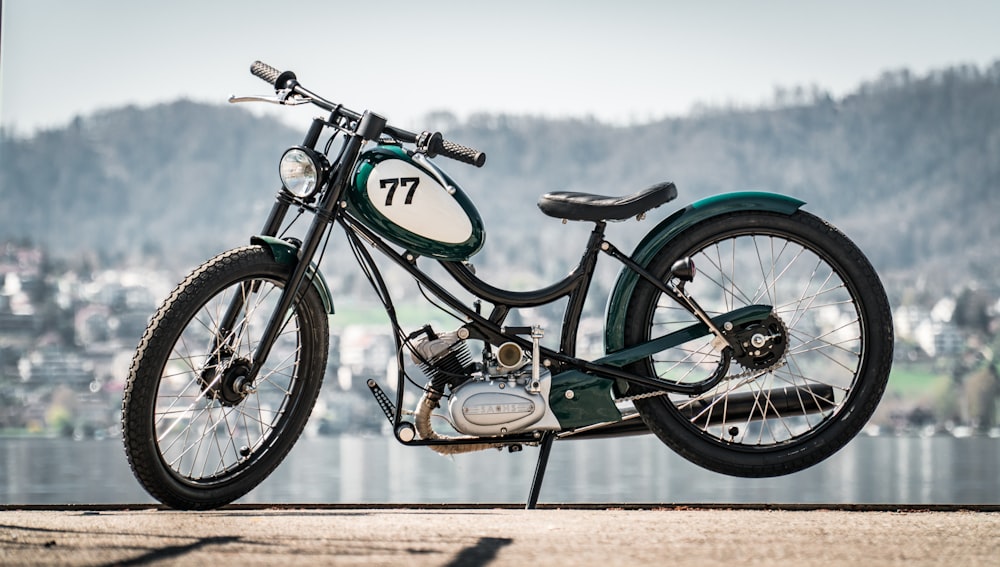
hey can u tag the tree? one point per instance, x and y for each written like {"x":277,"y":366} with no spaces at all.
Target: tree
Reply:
{"x":972,"y":308}
{"x":981,"y":390}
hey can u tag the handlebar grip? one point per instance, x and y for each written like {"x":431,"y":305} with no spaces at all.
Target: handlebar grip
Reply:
{"x":265,"y":72}
{"x":460,"y":153}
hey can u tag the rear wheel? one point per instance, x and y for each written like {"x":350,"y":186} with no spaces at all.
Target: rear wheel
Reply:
{"x":198,"y":431}
{"x":804,"y":380}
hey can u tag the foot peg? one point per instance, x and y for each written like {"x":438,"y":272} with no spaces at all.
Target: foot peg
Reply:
{"x":405,"y":431}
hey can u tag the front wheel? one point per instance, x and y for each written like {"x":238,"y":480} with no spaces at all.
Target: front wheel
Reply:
{"x":804,"y":380}
{"x":199,"y":431}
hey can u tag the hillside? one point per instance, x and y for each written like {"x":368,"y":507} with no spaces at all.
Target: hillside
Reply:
{"x":908,"y":166}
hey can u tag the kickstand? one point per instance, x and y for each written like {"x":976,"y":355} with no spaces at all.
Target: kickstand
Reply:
{"x":545,"y":447}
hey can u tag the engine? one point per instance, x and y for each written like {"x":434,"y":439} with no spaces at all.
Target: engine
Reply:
{"x":502,"y":404}
{"x":507,"y":393}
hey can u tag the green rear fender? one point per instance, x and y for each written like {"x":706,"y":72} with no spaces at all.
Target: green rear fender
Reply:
{"x":669,"y":229}
{"x":287,"y":254}
{"x":592,"y":400}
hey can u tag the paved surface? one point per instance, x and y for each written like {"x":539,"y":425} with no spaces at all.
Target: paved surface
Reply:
{"x":413,"y":537}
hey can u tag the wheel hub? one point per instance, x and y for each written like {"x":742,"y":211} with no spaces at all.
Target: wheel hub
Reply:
{"x":232,"y":386}
{"x":761,"y":344}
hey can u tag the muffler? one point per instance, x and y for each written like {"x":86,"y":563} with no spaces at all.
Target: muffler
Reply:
{"x":754,"y":406}
{"x":736,"y":408}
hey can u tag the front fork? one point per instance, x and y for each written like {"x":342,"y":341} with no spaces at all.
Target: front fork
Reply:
{"x":325,"y":213}
{"x":290,"y":295}
{"x":226,"y":330}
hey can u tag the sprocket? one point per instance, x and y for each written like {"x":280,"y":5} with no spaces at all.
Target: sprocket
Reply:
{"x":769,"y":356}
{"x":761,"y":344}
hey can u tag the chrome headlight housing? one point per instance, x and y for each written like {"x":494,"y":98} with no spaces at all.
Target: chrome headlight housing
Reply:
{"x":301,"y":170}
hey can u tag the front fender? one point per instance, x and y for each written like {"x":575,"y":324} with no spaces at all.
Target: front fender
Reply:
{"x":287,"y":254}
{"x":666,"y":232}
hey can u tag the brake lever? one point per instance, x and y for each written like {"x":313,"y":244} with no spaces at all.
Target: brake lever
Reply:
{"x":284,"y":98}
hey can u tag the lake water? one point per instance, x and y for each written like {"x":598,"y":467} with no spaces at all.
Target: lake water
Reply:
{"x":870,"y":470}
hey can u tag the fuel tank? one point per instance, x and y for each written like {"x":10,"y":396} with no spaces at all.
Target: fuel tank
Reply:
{"x":411,"y":202}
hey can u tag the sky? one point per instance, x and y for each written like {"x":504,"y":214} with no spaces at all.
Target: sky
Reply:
{"x":620,"y":61}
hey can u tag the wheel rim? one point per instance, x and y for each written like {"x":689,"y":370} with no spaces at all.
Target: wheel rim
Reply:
{"x":797,"y":395}
{"x":210,"y":422}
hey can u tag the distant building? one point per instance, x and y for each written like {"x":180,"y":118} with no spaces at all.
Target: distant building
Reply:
{"x":931,"y":330}
{"x":939,"y":339}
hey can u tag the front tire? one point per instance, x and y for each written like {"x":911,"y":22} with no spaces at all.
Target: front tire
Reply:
{"x":830,"y":344}
{"x":197,"y":433}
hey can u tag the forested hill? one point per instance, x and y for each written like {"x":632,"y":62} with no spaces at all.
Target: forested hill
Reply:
{"x":908,"y":166}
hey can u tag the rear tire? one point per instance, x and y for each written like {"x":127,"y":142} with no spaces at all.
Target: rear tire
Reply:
{"x":831,"y":348}
{"x":196,"y":434}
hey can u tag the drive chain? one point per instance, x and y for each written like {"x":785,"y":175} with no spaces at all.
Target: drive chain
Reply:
{"x":740,"y":376}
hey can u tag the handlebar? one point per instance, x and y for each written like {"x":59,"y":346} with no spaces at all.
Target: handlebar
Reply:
{"x":434,"y":144}
{"x":431,"y":144}
{"x":265,"y":72}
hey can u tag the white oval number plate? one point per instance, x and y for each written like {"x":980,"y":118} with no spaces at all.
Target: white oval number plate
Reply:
{"x":415,"y":201}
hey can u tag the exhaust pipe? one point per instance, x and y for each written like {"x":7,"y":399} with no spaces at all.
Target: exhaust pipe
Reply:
{"x":422,"y":420}
{"x":744,"y":407}
{"x":750,"y":406}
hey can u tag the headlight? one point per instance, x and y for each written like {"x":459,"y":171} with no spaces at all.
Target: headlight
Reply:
{"x":301,"y":171}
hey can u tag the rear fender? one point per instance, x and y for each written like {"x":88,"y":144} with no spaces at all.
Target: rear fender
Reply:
{"x":669,"y":229}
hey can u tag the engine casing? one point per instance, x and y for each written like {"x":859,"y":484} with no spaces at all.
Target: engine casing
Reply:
{"x":496,"y":406}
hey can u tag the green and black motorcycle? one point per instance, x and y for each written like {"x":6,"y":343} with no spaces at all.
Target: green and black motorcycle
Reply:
{"x":766,"y":359}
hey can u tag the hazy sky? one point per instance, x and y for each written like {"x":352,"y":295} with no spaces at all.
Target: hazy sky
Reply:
{"x":617,"y":60}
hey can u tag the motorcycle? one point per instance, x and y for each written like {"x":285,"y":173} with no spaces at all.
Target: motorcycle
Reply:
{"x":750,"y":336}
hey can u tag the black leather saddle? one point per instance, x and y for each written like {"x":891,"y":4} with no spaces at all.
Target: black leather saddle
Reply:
{"x":570,"y":205}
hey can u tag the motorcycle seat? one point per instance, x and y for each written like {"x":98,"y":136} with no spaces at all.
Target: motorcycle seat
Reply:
{"x":570,"y":205}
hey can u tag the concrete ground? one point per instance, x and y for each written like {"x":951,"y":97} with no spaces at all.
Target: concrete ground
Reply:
{"x":494,"y":536}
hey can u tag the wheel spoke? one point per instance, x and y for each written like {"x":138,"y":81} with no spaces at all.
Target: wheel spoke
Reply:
{"x":198,"y":434}
{"x":810,"y":299}
{"x":190,"y":391}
